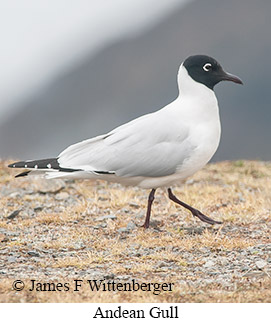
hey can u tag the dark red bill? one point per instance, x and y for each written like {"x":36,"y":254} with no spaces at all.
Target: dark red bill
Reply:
{"x":232,"y":78}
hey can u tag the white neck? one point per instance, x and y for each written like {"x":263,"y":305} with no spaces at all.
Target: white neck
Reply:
{"x":198,"y":108}
{"x":198,"y":101}
{"x":187,"y":86}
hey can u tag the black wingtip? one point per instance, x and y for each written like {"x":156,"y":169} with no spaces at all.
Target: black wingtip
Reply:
{"x":41,"y":164}
{"x":37,"y":164}
{"x":19,"y":164}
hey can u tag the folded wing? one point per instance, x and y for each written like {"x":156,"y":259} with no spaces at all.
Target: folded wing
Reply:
{"x":150,"y":146}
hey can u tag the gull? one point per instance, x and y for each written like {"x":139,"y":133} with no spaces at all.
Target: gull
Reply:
{"x":157,"y":149}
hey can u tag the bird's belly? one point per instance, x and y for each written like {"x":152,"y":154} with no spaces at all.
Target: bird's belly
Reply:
{"x":205,"y":139}
{"x":198,"y":159}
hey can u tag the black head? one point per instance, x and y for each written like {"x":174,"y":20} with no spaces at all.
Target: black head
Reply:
{"x":206,"y":70}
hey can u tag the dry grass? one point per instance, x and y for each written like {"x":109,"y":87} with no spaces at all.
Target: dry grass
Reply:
{"x":63,"y":226}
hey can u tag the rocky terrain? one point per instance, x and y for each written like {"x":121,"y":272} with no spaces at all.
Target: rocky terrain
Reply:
{"x":58,"y":232}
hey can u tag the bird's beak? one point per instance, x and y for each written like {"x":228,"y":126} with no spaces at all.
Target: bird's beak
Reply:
{"x":232,"y":78}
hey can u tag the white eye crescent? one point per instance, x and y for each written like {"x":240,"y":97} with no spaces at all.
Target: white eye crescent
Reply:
{"x":207,"y":67}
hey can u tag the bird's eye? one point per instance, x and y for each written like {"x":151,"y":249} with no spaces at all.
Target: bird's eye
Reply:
{"x":207,"y":67}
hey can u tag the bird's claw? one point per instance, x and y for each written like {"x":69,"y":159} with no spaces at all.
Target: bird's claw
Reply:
{"x":204,"y":217}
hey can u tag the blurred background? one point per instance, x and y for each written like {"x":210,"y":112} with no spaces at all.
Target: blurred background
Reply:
{"x":74,"y":69}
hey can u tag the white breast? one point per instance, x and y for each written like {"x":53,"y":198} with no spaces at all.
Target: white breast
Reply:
{"x":199,"y":108}
{"x":196,"y":107}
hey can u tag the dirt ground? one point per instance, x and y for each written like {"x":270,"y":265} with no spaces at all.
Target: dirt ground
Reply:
{"x":57,"y":234}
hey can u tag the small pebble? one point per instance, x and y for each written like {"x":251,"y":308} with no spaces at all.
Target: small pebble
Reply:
{"x":38,"y":208}
{"x":33,"y":253}
{"x":14,"y":214}
{"x":109,"y":276}
{"x":260,"y":264}
{"x":12,"y":259}
{"x":106,"y":217}
{"x":124,"y":229}
{"x":209,"y":264}
{"x":131,"y":226}
{"x":62,"y":196}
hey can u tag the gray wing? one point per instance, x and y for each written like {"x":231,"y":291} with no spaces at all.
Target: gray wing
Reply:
{"x":149,"y":146}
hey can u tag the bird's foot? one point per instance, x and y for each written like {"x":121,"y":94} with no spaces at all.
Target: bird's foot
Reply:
{"x":145,"y":225}
{"x":204,"y":217}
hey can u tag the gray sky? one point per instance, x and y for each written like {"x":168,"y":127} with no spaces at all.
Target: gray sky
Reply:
{"x":39,"y":39}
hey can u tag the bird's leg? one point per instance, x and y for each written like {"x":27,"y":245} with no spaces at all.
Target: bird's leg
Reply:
{"x":195,"y":212}
{"x":148,"y":215}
